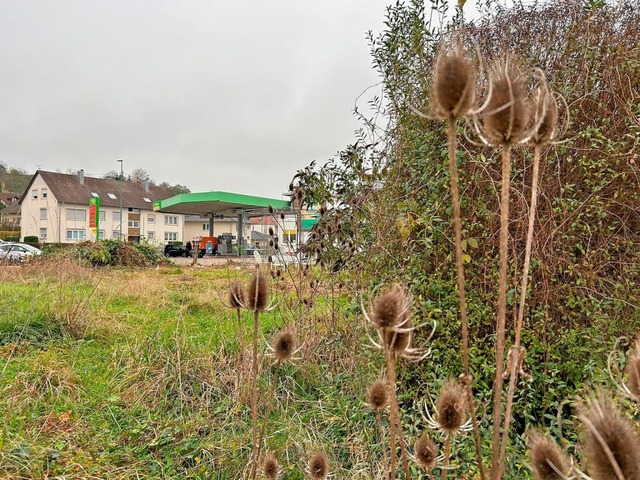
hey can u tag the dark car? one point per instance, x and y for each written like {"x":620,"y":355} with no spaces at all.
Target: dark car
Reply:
{"x":176,"y":251}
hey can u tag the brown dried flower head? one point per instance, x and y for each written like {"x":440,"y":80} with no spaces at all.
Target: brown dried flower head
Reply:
{"x":236,"y":295}
{"x":270,"y":208}
{"x":257,"y":292}
{"x":390,"y":307}
{"x":548,"y":462}
{"x":453,"y":84}
{"x":610,"y":443}
{"x":270,"y":467}
{"x":284,"y":346}
{"x":399,"y":339}
{"x":318,"y":466}
{"x":633,"y":370}
{"x":426,"y":452}
{"x":507,"y":113}
{"x":451,"y":408}
{"x":546,"y":115}
{"x":377,"y":395}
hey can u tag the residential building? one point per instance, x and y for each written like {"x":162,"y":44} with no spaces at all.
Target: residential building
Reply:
{"x":10,"y":209}
{"x":55,"y":208}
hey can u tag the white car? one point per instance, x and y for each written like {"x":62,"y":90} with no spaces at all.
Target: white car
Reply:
{"x":17,"y":252}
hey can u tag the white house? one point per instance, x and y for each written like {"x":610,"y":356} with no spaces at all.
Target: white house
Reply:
{"x":55,"y":208}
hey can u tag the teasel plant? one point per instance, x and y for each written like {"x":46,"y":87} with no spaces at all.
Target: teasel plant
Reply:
{"x":610,"y":442}
{"x":377,"y":399}
{"x":283,"y":350}
{"x":547,"y":460}
{"x":504,"y":120}
{"x":390,"y":315}
{"x":453,"y":90}
{"x":450,"y":417}
{"x":547,"y":131}
{"x":256,"y":299}
{"x":629,"y":388}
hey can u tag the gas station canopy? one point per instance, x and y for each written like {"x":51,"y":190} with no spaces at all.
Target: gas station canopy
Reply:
{"x":216,"y":203}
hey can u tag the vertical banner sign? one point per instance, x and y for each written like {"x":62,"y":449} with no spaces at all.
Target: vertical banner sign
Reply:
{"x":94,"y":216}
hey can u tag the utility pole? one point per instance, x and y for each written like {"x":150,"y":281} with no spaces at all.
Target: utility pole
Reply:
{"x":121,"y":180}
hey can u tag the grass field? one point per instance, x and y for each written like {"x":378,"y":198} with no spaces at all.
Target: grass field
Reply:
{"x":138,"y":374}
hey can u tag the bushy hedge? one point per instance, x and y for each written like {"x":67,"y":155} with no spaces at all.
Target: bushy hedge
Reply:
{"x":110,"y":253}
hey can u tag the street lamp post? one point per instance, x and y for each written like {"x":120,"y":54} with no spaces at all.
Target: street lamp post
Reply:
{"x":121,"y":180}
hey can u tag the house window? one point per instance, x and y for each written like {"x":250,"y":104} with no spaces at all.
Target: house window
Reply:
{"x":44,"y":193}
{"x":146,"y":199}
{"x":34,"y":194}
{"x":76,"y":214}
{"x":100,"y":234}
{"x":170,"y":236}
{"x":43,"y":214}
{"x":205,"y":226}
{"x":289,"y":237}
{"x":134,"y":224}
{"x":151,"y":219}
{"x":134,"y":210}
{"x":95,"y":195}
{"x":151,"y":235}
{"x":111,"y":196}
{"x":115,"y":234}
{"x":170,"y":220}
{"x":43,"y":234}
{"x":102,"y":215}
{"x":115,"y":217}
{"x":75,"y":234}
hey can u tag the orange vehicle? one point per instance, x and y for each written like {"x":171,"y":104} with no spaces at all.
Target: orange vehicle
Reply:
{"x":208,"y":246}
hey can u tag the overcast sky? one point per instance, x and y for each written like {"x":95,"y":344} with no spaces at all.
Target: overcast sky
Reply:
{"x":215,"y":95}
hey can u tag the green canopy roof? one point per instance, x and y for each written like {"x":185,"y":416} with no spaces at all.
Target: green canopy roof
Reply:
{"x":217,"y":203}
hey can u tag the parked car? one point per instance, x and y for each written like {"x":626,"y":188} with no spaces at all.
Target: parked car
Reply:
{"x":176,"y":251}
{"x":17,"y":252}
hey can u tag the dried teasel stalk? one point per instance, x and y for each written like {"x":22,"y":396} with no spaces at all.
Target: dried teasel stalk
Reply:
{"x":548,"y":462}
{"x":633,"y":370}
{"x":611,"y":446}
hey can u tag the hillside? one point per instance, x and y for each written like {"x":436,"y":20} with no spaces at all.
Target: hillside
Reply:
{"x":13,"y":179}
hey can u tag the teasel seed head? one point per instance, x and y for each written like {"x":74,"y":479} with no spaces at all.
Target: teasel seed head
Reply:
{"x":270,"y":210}
{"x":633,"y":370}
{"x":426,"y":452}
{"x":451,"y":408}
{"x":257,"y":295}
{"x":271,"y":232}
{"x":281,"y":215}
{"x":389,"y":307}
{"x":609,"y":441}
{"x":548,"y":462}
{"x":507,"y":116}
{"x":377,"y":395}
{"x":399,"y":341}
{"x":546,"y":113}
{"x":453,"y":84}
{"x":318,"y":466}
{"x":270,"y":467}
{"x":284,"y":346}
{"x":236,"y":295}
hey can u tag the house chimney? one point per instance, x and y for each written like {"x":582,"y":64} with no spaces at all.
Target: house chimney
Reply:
{"x":145,"y":184}
{"x":81,"y":176}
